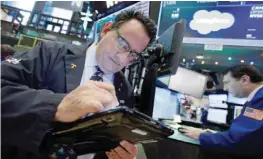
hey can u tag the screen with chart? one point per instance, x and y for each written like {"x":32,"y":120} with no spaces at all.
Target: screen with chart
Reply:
{"x":216,"y":21}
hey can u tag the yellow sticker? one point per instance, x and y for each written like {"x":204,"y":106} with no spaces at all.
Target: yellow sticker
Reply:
{"x":73,"y":65}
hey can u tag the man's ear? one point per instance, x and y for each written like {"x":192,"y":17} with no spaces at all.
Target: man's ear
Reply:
{"x":245,"y":79}
{"x":107,"y":27}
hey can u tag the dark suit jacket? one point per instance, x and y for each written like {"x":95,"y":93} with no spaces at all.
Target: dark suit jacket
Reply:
{"x":33,"y":85}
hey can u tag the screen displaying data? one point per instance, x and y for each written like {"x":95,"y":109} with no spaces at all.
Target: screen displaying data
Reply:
{"x":217,"y":116}
{"x":216,"y":100}
{"x":216,"y":21}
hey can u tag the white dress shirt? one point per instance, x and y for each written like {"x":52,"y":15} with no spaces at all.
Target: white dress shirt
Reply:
{"x":90,"y":69}
{"x":253,"y":93}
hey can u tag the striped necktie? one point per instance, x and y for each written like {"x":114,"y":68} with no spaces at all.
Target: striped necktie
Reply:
{"x":97,"y":76}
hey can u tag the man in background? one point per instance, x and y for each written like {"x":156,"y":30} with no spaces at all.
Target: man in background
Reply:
{"x":245,"y":136}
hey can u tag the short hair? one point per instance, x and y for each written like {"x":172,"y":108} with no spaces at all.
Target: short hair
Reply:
{"x":238,"y":71}
{"x":148,"y":23}
{"x":6,"y":50}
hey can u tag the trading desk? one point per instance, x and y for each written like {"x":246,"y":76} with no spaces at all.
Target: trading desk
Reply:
{"x":179,"y":146}
{"x":181,"y":137}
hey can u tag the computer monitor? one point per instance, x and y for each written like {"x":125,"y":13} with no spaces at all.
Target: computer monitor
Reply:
{"x":216,"y":100}
{"x":217,"y":116}
{"x":171,"y":40}
{"x":218,"y":111}
{"x":237,"y":109}
{"x":163,"y":66}
{"x":235,"y":23}
{"x":166,"y":104}
{"x":188,"y":82}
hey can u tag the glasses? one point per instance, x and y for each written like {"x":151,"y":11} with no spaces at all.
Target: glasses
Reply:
{"x":123,"y":46}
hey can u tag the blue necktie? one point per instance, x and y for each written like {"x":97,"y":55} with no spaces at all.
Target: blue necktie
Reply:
{"x":97,"y":76}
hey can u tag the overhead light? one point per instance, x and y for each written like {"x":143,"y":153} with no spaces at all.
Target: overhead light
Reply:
{"x":242,"y":61}
{"x":199,"y":56}
{"x":251,"y":63}
{"x":203,"y":62}
{"x":229,"y":58}
{"x":183,"y":59}
{"x":109,"y":4}
{"x":216,"y":63}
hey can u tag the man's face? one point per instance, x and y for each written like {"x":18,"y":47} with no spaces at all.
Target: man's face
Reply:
{"x":234,"y":86}
{"x":110,"y":57}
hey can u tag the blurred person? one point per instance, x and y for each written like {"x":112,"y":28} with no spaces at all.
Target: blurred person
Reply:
{"x":6,"y":52}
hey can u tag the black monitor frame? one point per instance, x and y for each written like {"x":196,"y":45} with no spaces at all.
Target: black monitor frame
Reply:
{"x":163,"y":65}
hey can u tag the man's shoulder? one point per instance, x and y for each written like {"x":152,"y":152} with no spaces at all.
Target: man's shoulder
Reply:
{"x":259,"y":95}
{"x":67,"y":47}
{"x":257,"y":101}
{"x":52,"y":44}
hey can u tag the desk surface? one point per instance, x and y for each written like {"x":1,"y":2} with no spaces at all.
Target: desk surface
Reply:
{"x":190,"y":120}
{"x":181,"y":137}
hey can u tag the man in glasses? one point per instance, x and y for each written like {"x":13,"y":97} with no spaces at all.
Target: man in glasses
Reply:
{"x":58,"y":82}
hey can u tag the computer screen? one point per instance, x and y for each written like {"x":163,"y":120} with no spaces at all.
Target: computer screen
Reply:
{"x":216,"y":22}
{"x":217,"y":112}
{"x":217,"y":116}
{"x":188,"y":82}
{"x":166,"y":104}
{"x":237,"y":109}
{"x":216,"y":100}
{"x":171,"y":40}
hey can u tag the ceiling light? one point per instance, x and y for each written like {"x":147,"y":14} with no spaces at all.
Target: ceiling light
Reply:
{"x":229,"y":58}
{"x":242,"y":61}
{"x":203,"y":62}
{"x":251,"y":63}
{"x":199,"y":56}
{"x":216,"y":63}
